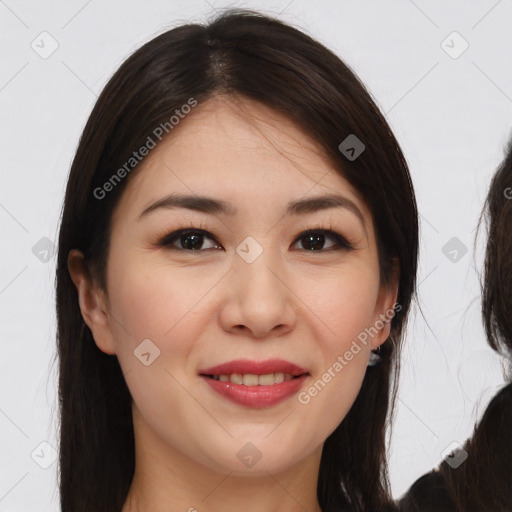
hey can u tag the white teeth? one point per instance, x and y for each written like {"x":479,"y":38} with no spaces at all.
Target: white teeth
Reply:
{"x":265,"y":380}
{"x":278,"y":377}
{"x":236,"y":378}
{"x":250,"y":379}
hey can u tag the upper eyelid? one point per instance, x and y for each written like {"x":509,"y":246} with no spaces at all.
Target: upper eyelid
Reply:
{"x":202,"y":231}
{"x":186,"y":231}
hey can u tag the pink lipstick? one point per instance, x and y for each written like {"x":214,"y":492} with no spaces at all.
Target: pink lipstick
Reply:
{"x":255,"y":384}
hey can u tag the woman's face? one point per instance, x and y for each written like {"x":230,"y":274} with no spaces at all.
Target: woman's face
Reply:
{"x":249,"y":286}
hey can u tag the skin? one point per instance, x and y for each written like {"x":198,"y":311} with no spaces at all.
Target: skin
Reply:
{"x":209,"y":306}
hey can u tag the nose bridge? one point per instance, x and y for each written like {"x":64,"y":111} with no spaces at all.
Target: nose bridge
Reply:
{"x":260,"y":295}
{"x":256,"y":268}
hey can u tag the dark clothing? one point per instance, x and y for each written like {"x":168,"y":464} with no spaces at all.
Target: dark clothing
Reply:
{"x":428,"y":493}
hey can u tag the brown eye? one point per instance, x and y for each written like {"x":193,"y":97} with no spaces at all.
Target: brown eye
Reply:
{"x":314,"y":240}
{"x":188,"y":240}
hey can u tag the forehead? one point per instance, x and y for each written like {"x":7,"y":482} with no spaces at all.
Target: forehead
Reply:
{"x":239,"y":151}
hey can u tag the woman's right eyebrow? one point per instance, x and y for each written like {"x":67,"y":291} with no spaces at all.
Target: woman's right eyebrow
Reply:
{"x":192,"y":202}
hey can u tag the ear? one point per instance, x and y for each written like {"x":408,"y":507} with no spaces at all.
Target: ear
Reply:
{"x":92,"y":302}
{"x":385,"y":307}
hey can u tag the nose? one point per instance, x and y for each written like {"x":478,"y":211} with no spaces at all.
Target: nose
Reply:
{"x":260,"y":302}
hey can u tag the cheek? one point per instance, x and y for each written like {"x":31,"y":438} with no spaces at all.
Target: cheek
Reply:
{"x":345,"y":304}
{"x":164,"y":306}
{"x":157,"y":303}
{"x":336,"y":382}
{"x":344,"y":309}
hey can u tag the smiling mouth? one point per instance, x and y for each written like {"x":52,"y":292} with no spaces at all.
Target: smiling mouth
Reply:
{"x":250,"y":379}
{"x":255,"y":384}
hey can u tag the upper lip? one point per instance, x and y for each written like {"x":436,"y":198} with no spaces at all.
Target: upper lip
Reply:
{"x":248,"y":366}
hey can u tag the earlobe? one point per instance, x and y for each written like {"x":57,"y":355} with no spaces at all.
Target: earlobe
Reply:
{"x":384,"y":332}
{"x":91,"y":300}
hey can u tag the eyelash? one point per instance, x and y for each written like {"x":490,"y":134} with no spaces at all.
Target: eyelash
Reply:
{"x":341,"y":243}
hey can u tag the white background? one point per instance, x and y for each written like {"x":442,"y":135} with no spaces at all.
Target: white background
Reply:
{"x":452,"y":117}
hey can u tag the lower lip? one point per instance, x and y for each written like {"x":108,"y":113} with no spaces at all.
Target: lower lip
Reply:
{"x":257,"y":396}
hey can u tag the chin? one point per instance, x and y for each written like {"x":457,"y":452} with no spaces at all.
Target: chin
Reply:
{"x":256,"y":458}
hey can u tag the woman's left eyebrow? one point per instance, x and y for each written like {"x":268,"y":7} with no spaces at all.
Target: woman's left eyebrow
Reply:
{"x":325,"y":202}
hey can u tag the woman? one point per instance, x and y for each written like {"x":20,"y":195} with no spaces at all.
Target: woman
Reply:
{"x":483,"y":482}
{"x":237,"y":257}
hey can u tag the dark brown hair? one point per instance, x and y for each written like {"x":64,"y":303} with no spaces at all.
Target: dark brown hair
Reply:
{"x":483,"y":482}
{"x":240,"y":54}
{"x":497,"y":283}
